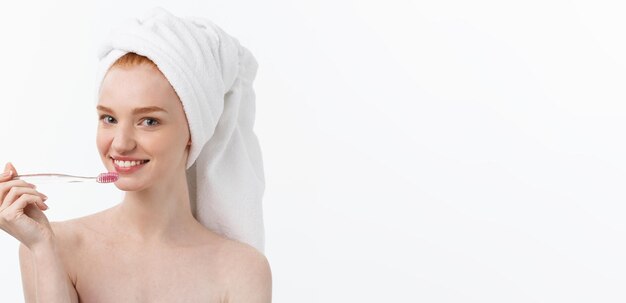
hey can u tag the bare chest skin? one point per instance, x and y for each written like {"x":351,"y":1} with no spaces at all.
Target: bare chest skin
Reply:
{"x":107,"y":269}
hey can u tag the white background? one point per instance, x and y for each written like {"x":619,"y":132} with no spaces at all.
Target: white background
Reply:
{"x":415,"y":151}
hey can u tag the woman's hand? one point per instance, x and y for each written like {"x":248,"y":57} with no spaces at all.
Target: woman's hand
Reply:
{"x":21,"y":212}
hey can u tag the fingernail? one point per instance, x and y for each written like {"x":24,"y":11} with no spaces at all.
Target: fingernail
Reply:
{"x":6,"y":173}
{"x":46,"y":205}
{"x":45,"y":197}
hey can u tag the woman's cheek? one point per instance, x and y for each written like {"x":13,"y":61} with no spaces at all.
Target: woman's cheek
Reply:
{"x":103,"y":140}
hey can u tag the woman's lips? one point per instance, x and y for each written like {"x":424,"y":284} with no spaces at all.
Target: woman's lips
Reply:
{"x":128,"y":170}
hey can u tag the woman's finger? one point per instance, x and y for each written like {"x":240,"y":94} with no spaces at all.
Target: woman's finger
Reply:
{"x":6,"y":175}
{"x":23,"y":201}
{"x":10,"y":214}
{"x":16,"y":191}
{"x":6,"y":186}
{"x":9,"y":167}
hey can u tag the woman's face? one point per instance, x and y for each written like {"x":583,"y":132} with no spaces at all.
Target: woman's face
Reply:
{"x":142,"y":118}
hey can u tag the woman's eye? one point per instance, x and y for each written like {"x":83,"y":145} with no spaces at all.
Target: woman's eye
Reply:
{"x":155,"y":122}
{"x":105,"y":117}
{"x":108,"y":119}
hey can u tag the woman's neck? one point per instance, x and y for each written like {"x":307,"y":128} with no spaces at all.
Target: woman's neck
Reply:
{"x":159,"y":214}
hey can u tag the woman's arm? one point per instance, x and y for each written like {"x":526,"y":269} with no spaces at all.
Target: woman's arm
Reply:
{"x":21,"y":215}
{"x":44,"y":279}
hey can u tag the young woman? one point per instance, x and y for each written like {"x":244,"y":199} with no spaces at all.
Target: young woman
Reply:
{"x":150,"y":247}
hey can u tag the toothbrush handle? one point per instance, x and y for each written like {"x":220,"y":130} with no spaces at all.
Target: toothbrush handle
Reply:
{"x":54,"y":177}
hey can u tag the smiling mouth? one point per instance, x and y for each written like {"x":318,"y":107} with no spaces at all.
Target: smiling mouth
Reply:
{"x":128,"y":164}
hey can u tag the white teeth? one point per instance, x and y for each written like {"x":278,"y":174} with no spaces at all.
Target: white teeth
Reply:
{"x":127,"y":163}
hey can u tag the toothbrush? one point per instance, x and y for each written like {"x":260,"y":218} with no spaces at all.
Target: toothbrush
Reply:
{"x":101,"y":178}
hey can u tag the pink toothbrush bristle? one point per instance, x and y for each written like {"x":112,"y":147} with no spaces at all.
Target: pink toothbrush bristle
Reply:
{"x":107,"y":177}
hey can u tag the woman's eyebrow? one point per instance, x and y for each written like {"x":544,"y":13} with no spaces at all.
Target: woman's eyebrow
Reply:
{"x":139,"y":110}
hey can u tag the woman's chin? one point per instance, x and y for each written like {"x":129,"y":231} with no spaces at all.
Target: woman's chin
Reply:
{"x":129,"y":185}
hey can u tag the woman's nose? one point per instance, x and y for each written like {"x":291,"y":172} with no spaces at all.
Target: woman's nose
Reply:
{"x":123,"y":141}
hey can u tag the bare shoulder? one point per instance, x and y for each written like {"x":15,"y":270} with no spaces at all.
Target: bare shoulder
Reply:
{"x":249,"y":277}
{"x":71,"y":233}
{"x":68,"y":238}
{"x":68,"y":241}
{"x":71,"y":237}
{"x":74,"y":230}
{"x":66,"y":233}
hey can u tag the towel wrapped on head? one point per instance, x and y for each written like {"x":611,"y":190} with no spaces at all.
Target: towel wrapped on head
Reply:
{"x":212,"y":75}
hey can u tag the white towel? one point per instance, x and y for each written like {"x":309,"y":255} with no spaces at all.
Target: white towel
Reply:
{"x":212,"y":75}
